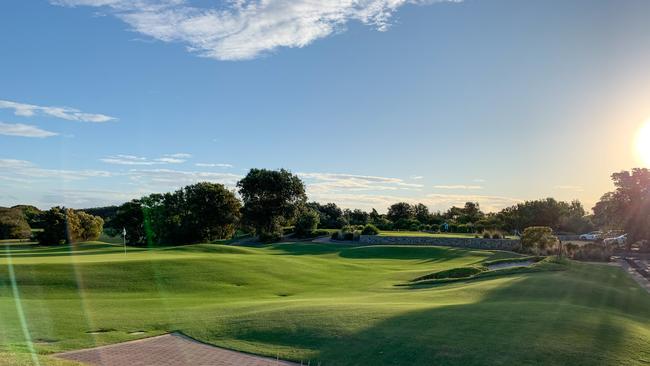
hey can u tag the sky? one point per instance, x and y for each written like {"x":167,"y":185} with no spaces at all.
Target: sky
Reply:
{"x":371,"y":102}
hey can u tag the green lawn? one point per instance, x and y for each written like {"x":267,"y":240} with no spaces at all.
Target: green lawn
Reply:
{"x":336,"y":305}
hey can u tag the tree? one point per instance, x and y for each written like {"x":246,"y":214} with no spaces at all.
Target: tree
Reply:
{"x":558,"y":215}
{"x":64,"y":225}
{"x":13,"y":224}
{"x":400,"y":211}
{"x":90,"y":227}
{"x":470,"y":213}
{"x":130,"y":216}
{"x":307,"y":222}
{"x":356,"y":217}
{"x":628,"y":207}
{"x":380,"y":221}
{"x":32,"y":215}
{"x":212,"y":211}
{"x":55,"y":229}
{"x":422,"y":213}
{"x":331,"y":216}
{"x":271,"y":197}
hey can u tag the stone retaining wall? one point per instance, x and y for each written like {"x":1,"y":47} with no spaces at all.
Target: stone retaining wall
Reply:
{"x":472,"y":243}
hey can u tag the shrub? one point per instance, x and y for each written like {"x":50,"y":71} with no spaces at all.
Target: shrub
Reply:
{"x":487,"y":235}
{"x":497,"y":235}
{"x":594,"y":252}
{"x":538,"y":240}
{"x":335,"y":235}
{"x":570,"y":249}
{"x":270,"y":237}
{"x":348,"y":236}
{"x":434,"y":227}
{"x":370,"y":229}
{"x":306,"y":222}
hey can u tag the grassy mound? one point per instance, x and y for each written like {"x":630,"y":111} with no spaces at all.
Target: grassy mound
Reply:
{"x":328,"y":304}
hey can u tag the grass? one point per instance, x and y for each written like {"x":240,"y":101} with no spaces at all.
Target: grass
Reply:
{"x":332,"y":304}
{"x":435,"y":235}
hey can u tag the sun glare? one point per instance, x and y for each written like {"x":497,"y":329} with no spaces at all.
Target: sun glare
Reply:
{"x":643,"y":144}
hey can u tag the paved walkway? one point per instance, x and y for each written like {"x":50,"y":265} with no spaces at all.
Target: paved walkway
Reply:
{"x":635,"y":274}
{"x":167,"y":350}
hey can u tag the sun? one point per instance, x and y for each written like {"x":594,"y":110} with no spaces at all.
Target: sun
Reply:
{"x":643,"y":144}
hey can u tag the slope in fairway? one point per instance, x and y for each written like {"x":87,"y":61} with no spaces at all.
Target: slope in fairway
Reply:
{"x":331,"y":304}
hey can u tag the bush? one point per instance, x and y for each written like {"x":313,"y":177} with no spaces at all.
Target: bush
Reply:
{"x":497,"y":235}
{"x":306,"y":222}
{"x":13,"y":224}
{"x":270,"y":237}
{"x":348,"y":236}
{"x":539,"y":240}
{"x":370,"y":229}
{"x":335,"y":235}
{"x":487,"y":235}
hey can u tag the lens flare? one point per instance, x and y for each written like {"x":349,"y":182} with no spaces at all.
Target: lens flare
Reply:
{"x":643,"y":144}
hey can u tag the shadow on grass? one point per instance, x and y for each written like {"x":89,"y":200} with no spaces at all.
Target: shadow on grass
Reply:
{"x":424,"y":253}
{"x":66,"y":250}
{"x":566,"y":318}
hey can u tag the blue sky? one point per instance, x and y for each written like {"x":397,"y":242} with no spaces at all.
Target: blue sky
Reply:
{"x":370,"y":101}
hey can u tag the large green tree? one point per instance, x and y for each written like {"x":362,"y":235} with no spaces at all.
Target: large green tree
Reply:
{"x":331,"y":215}
{"x":271,"y":198}
{"x":627,"y":207}
{"x":400,"y":211}
{"x":558,"y":215}
{"x":64,"y":225}
{"x":197,"y":213}
{"x":130,"y":216}
{"x":211,"y":211}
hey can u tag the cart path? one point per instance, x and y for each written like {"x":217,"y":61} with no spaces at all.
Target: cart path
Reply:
{"x":642,"y":281}
{"x":172,"y":349}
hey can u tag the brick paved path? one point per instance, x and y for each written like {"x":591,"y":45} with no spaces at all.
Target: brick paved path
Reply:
{"x":166,"y":350}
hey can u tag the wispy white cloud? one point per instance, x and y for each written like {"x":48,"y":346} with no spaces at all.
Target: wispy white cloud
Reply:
{"x":66,"y":113}
{"x":244,"y":29}
{"x":19,"y":129}
{"x":213,"y":165}
{"x":329,"y":182}
{"x":417,"y":177}
{"x":123,"y":159}
{"x":29,"y":171}
{"x":168,"y":179}
{"x":459,"y":187}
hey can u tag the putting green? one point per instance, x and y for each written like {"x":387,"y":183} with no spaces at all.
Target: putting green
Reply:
{"x":336,"y":305}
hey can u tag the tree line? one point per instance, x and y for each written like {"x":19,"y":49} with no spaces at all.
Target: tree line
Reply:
{"x":267,"y":201}
{"x":55,"y":226}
